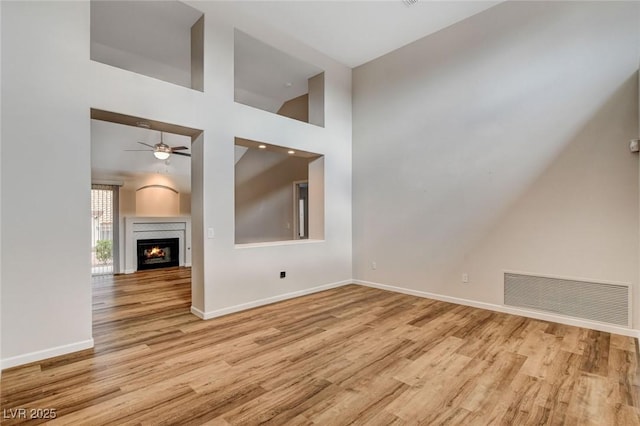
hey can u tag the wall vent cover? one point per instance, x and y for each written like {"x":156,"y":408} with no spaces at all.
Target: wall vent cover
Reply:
{"x":608,"y":303}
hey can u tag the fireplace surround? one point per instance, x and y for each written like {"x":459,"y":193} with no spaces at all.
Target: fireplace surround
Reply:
{"x":146,"y":228}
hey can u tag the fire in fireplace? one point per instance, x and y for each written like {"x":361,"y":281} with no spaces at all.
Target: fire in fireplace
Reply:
{"x":158,"y":253}
{"x":154,"y":253}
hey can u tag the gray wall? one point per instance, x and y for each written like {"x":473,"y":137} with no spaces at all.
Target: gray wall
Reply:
{"x":501,"y":143}
{"x":264,"y":195}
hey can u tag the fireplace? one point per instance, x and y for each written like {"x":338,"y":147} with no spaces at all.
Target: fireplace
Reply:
{"x":158,"y":253}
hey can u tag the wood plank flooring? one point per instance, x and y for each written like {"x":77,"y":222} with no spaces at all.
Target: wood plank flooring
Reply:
{"x":351,"y":355}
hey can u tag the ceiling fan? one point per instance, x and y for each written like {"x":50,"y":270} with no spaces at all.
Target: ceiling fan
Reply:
{"x":161,"y":150}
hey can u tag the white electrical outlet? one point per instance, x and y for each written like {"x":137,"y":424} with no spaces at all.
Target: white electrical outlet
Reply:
{"x":210,"y":233}
{"x":465,"y":277}
{"x":374,"y":265}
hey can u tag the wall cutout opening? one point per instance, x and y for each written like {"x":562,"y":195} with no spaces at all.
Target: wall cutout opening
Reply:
{"x":271,"y":80}
{"x":279,"y":193}
{"x":154,"y":195}
{"x":159,"y":39}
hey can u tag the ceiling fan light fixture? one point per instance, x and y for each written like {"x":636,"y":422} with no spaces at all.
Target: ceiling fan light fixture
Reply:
{"x":161,"y":155}
{"x":161,"y":151}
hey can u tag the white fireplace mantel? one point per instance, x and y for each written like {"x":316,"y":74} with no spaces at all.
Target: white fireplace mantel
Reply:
{"x":138,"y":228}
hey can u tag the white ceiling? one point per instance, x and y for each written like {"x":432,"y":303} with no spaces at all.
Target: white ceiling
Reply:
{"x":355,"y":32}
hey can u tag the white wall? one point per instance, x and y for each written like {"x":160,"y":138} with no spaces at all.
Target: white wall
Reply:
{"x":197,"y":224}
{"x":127,"y":207}
{"x":49,"y":84}
{"x":0,"y":195}
{"x":229,"y":281}
{"x":46,"y":300}
{"x":147,"y":66}
{"x":501,"y":143}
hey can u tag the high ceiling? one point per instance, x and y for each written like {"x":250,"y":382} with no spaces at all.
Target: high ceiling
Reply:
{"x":154,"y":35}
{"x":352,"y":32}
{"x":355,"y":32}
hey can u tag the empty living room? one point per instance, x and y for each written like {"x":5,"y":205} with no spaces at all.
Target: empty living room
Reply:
{"x":319,"y":212}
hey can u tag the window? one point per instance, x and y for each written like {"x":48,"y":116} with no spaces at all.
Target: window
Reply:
{"x":104,"y":228}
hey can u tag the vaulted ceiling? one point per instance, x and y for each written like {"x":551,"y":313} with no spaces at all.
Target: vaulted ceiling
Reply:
{"x":351,"y":32}
{"x":356,"y":32}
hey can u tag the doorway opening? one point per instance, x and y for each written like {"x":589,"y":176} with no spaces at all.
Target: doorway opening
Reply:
{"x":301,"y":210}
{"x":146,"y":166}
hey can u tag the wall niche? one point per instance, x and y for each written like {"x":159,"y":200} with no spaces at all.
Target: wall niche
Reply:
{"x":159,"y":39}
{"x":274,"y":81}
{"x":279,"y":193}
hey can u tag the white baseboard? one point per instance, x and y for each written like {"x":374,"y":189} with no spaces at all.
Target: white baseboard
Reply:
{"x":87,"y":344}
{"x":46,"y":353}
{"x":261,"y":302}
{"x":197,"y":312}
{"x":594,"y":325}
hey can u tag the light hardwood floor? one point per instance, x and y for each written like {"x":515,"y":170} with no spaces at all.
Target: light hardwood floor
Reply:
{"x":348,"y":355}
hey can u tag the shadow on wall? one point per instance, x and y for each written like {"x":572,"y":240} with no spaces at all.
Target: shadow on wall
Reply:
{"x":525,"y":104}
{"x":579,"y":214}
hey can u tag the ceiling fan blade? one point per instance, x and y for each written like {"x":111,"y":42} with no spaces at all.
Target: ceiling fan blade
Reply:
{"x":146,"y":144}
{"x":182,"y":153}
{"x":178,"y":148}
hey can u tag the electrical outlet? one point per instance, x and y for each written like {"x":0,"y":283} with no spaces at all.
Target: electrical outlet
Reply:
{"x":283,"y":274}
{"x":374,"y":265}
{"x":465,"y":277}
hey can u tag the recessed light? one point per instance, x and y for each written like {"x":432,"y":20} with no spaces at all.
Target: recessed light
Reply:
{"x":291,"y":151}
{"x":262,"y":146}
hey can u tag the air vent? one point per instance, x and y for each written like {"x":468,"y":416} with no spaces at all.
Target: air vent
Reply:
{"x":608,"y":303}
